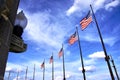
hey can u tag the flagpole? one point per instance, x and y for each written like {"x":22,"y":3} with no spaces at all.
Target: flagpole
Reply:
{"x":44,"y":71}
{"x":83,"y":69}
{"x":52,"y":68}
{"x":63,"y":66}
{"x":17,"y":75}
{"x":26,"y":73}
{"x":9,"y":75}
{"x":105,"y":52}
{"x":34,"y":73}
{"x":114,"y":67}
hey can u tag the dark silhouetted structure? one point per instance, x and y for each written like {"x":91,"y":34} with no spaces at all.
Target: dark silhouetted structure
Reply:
{"x":8,"y":11}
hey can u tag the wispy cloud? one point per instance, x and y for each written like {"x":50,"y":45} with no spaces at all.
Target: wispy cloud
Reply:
{"x":112,"y":4}
{"x":44,"y":30}
{"x":94,"y":37}
{"x":41,"y":30}
{"x":90,"y":61}
{"x":78,"y":6}
{"x":97,"y":4}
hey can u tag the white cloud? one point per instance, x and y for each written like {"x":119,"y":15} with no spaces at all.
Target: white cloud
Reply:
{"x":14,"y":68}
{"x":112,"y":4}
{"x":81,"y":5}
{"x":89,"y":62}
{"x":67,"y":76}
{"x":8,"y":69}
{"x":110,"y":40}
{"x":95,"y":55}
{"x":98,"y":4}
{"x":42,"y":30}
{"x":92,"y":36}
{"x":88,"y":68}
{"x":78,"y":5}
{"x":95,"y":38}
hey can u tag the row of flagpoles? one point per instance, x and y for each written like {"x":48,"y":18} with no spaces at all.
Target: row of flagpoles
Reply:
{"x":60,"y":54}
{"x":52,"y":61}
{"x":75,"y":37}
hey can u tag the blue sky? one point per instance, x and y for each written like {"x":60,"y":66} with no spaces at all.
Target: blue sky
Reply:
{"x":51,"y":23}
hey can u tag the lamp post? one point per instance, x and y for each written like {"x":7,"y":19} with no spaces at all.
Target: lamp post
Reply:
{"x":20,"y":24}
{"x":17,"y":44}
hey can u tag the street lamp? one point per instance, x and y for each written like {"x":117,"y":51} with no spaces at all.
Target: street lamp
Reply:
{"x":20,"y":24}
{"x":17,"y":43}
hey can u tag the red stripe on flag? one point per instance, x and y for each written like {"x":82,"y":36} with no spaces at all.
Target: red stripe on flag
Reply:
{"x":60,"y":52}
{"x":42,"y":65}
{"x":85,"y":22}
{"x":73,"y":38}
{"x":51,"y":59}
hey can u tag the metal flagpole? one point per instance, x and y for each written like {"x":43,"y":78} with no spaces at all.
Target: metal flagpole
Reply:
{"x":106,"y":56}
{"x":44,"y":70}
{"x":114,"y":67}
{"x":17,"y":75}
{"x":52,"y":68}
{"x":34,"y":73}
{"x":83,"y":69}
{"x":9,"y":75}
{"x":63,"y":65}
{"x":26,"y":73}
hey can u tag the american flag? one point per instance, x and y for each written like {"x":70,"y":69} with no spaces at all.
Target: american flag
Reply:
{"x":60,"y":52}
{"x":73,"y":38}
{"x":42,"y":65}
{"x":51,"y":59}
{"x":86,"y":21}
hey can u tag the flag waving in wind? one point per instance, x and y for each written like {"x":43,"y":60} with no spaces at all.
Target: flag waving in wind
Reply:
{"x":51,"y":59}
{"x":42,"y":65}
{"x":73,"y":38}
{"x":60,"y":52}
{"x":86,"y":21}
